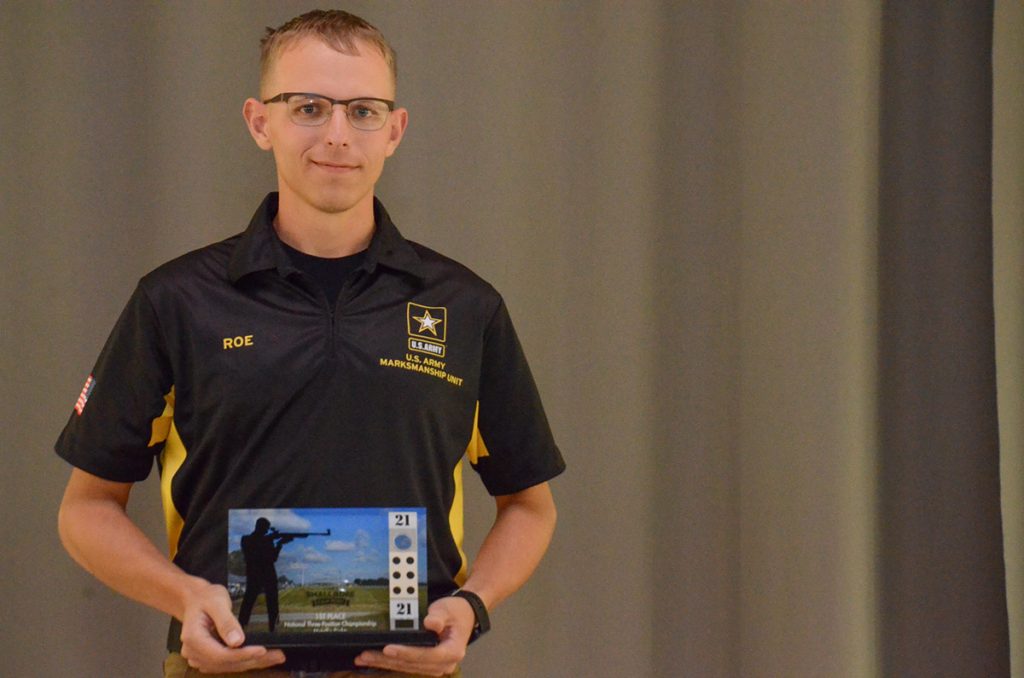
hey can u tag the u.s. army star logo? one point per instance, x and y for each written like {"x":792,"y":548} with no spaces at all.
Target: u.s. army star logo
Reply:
{"x":427,"y":322}
{"x":428,"y":328}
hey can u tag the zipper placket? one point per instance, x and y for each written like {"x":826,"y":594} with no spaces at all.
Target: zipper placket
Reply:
{"x":320,"y":297}
{"x":332,"y":314}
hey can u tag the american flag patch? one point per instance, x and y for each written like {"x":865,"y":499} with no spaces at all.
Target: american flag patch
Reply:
{"x":83,"y":397}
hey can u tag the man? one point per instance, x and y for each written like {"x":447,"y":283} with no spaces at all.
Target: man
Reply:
{"x":317,"y":359}
{"x":260,"y":548}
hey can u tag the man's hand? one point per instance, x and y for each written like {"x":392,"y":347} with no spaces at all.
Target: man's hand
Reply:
{"x":211,"y":637}
{"x":515,"y":544}
{"x":452,"y":619}
{"x":101,"y":538}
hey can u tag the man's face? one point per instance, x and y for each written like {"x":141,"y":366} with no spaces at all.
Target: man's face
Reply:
{"x":331,"y":168}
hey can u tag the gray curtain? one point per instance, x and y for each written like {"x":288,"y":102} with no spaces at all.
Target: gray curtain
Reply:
{"x":688,"y":208}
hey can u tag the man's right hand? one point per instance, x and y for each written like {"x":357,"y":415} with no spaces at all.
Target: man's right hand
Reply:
{"x":100,"y":536}
{"x":211,"y":637}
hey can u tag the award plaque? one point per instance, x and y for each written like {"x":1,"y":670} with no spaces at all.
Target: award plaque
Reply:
{"x":329,"y":578}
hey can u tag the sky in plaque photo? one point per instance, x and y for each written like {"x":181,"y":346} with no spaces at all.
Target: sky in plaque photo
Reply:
{"x":341,"y":545}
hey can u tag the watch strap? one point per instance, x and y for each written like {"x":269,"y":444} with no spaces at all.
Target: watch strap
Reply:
{"x":483,"y":620}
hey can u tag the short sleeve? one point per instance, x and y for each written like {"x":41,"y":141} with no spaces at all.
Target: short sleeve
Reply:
{"x":111,"y":429}
{"x":519,"y":449}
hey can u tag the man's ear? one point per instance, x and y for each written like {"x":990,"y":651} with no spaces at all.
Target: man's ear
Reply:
{"x":397,"y":122}
{"x":255,"y":114}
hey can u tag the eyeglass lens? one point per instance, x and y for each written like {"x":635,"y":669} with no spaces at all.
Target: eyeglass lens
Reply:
{"x":366,"y":114}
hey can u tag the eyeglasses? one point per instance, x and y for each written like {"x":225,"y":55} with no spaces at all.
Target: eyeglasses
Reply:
{"x":312,"y":110}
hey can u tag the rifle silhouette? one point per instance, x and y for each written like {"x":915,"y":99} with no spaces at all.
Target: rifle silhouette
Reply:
{"x":285,"y":537}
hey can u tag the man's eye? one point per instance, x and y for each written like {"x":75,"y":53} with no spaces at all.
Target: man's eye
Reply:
{"x":309,"y":109}
{"x":363,"y":112}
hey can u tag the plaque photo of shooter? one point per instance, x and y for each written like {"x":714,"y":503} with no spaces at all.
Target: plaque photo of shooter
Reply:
{"x":322,"y":578}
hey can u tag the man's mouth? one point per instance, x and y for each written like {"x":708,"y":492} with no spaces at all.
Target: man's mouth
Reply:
{"x":334,"y":166}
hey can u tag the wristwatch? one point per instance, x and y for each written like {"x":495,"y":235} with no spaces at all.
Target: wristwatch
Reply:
{"x":483,"y":622}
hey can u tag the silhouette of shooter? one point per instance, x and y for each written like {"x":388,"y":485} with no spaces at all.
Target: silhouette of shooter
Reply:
{"x":261,"y":548}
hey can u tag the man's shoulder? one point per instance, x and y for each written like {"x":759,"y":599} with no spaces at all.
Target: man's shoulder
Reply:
{"x":441,"y":268}
{"x":209,"y":262}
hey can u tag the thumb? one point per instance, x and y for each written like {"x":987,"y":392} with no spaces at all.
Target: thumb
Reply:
{"x":435,"y":622}
{"x":228,"y":628}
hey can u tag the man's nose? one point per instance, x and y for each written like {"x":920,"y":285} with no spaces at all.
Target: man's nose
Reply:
{"x":339,"y":130}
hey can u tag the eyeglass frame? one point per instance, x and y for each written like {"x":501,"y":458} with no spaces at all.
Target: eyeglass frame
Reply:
{"x":284,"y":96}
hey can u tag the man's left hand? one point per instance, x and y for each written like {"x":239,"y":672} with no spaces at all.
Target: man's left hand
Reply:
{"x":452,"y":619}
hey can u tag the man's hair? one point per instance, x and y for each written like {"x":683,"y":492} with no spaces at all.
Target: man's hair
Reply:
{"x":338,"y":29}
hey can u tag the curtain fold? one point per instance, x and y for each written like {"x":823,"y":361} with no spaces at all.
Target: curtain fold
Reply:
{"x":943,"y":593}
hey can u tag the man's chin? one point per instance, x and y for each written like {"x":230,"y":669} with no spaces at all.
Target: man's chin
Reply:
{"x":334,"y":204}
{"x":329,"y":199}
{"x":338,"y":201}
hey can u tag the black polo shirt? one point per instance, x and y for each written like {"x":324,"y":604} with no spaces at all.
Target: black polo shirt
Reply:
{"x":230,"y":368}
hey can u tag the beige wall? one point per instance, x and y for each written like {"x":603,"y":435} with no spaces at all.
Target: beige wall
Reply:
{"x":677,"y":201}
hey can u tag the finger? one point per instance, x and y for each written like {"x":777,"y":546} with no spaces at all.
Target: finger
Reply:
{"x":442,"y":658}
{"x":448,"y":650}
{"x":204,"y":651}
{"x":269,"y":658}
{"x":219,"y":659}
{"x":378,"y":660}
{"x":208,"y":651}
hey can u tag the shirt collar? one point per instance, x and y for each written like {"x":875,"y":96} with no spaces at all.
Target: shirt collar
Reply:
{"x":259,"y":248}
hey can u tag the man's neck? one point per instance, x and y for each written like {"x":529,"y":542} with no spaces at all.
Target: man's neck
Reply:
{"x":321,"y":234}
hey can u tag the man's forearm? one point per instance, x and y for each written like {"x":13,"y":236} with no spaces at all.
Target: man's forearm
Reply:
{"x":514,"y":546}
{"x":101,"y":537}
